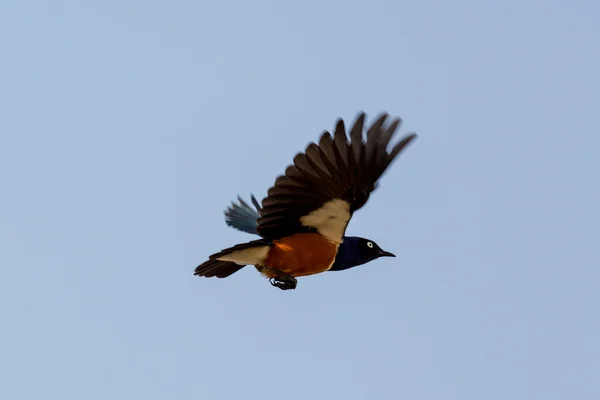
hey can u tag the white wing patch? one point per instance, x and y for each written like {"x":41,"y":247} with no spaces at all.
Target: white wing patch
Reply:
{"x":252,"y":256}
{"x":330,"y":220}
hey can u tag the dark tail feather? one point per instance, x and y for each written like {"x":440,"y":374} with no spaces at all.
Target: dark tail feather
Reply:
{"x":242,"y":217}
{"x":222,"y":269}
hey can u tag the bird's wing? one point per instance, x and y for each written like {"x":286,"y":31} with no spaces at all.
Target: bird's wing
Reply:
{"x":330,"y":180}
{"x":243,"y":217}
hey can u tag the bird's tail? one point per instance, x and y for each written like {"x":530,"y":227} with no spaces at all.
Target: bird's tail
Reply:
{"x":231,"y":260}
{"x":220,"y":269}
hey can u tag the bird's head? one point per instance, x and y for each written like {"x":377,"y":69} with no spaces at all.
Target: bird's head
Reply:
{"x":355,"y":251}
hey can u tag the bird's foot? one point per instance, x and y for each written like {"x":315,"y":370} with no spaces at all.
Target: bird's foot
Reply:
{"x":284,"y":282}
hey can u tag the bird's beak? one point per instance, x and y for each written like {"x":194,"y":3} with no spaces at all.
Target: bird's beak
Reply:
{"x":383,"y":253}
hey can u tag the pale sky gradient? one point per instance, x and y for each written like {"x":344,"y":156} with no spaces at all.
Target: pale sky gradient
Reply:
{"x":128,"y":126}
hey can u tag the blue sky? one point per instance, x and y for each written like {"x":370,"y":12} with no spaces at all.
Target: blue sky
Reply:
{"x":127,"y":127}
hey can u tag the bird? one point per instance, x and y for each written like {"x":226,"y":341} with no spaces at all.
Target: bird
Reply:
{"x":303,"y":219}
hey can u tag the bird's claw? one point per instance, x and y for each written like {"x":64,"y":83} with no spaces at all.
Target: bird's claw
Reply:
{"x":284,"y":282}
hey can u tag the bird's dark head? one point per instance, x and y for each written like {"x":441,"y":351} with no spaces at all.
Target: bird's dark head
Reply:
{"x":355,"y":251}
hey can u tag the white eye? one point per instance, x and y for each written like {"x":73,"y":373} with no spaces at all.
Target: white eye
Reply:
{"x":370,"y":245}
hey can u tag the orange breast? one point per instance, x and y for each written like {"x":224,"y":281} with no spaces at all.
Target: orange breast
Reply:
{"x":301,"y":254}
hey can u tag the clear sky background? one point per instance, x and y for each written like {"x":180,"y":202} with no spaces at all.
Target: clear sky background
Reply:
{"x":127,"y":127}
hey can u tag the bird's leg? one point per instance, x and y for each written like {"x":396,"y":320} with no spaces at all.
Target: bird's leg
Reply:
{"x":283,"y":281}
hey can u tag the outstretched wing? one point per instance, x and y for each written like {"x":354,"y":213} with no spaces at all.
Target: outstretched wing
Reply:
{"x":243,"y":217}
{"x":330,"y":180}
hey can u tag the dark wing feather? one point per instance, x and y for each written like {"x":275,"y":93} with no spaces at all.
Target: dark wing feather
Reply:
{"x":337,"y":168}
{"x":242,"y":217}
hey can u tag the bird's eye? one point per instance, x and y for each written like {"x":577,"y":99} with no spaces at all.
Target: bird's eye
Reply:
{"x":370,"y":245}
